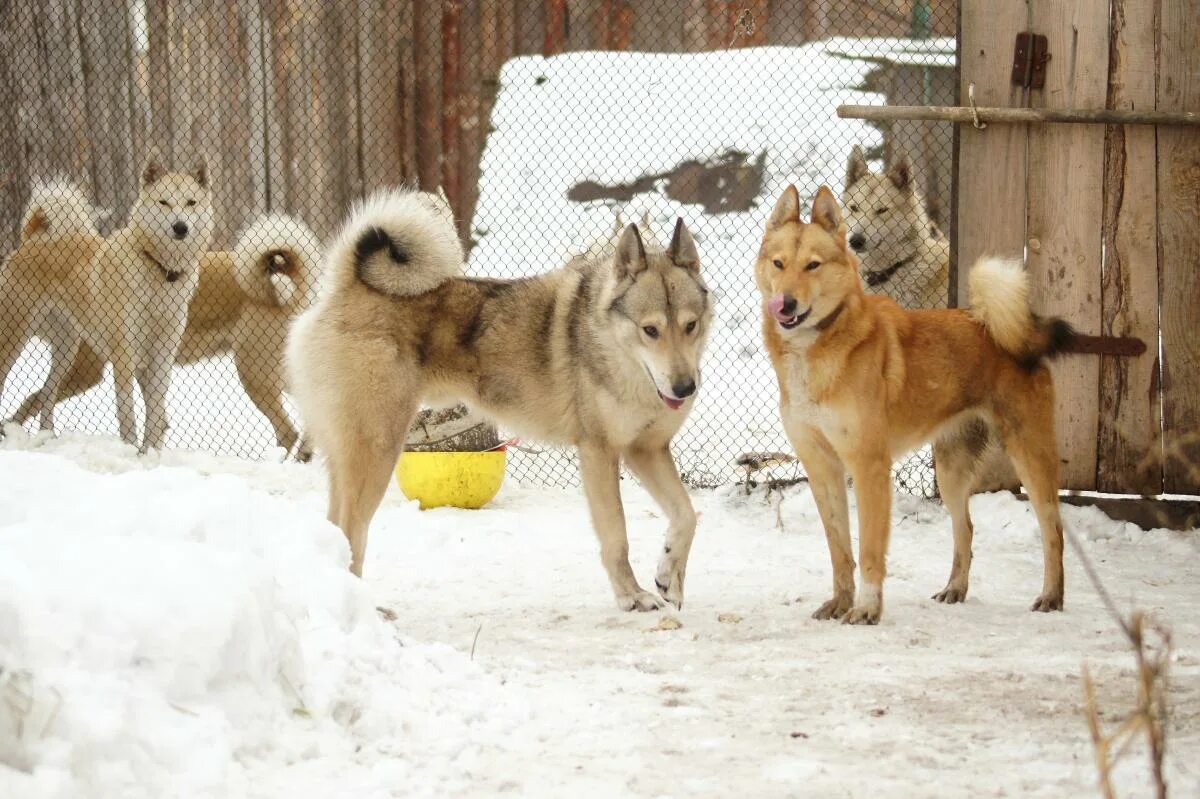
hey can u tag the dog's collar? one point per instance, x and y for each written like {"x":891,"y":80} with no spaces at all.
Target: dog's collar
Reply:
{"x":831,"y":318}
{"x":881,"y":276}
{"x":170,"y":275}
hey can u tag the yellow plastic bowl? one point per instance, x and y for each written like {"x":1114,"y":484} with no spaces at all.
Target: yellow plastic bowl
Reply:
{"x":457,"y":479}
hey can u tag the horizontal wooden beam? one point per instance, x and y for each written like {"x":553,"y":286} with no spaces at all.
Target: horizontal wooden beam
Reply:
{"x":959,"y":113}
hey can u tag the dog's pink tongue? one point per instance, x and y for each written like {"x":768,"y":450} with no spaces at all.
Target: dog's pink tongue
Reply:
{"x":775,"y":306}
{"x":673,"y":404}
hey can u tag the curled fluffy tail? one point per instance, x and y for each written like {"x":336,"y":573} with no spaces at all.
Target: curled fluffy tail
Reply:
{"x":999,"y":292}
{"x":57,"y":207}
{"x":276,"y":261}
{"x":400,"y":242}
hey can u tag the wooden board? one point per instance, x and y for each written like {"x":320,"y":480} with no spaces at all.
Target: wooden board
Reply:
{"x":1065,"y":177}
{"x":427,"y":40}
{"x":109,"y":73}
{"x":53,"y":120}
{"x":1179,"y":244}
{"x":991,"y":175}
{"x":381,"y":43}
{"x":1129,"y":445}
{"x":14,"y":178}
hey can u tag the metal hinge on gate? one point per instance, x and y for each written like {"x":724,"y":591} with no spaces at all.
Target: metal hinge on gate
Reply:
{"x":1029,"y":60}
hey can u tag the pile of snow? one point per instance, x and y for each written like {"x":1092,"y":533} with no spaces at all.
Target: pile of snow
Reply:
{"x":185,"y":626}
{"x":166,"y":632}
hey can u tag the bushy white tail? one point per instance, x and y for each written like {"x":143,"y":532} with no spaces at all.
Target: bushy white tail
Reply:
{"x":999,"y":296}
{"x":57,"y":207}
{"x":400,"y":242}
{"x":276,"y":261}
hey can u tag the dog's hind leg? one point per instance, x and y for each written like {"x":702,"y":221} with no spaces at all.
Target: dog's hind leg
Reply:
{"x":1027,"y":432}
{"x":656,"y":470}
{"x":86,"y":373}
{"x":958,"y":457}
{"x":600,"y":469}
{"x":14,"y":332}
{"x":64,"y":343}
{"x":264,"y":387}
{"x":360,"y":466}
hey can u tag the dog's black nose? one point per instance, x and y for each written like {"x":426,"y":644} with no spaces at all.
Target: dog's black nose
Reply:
{"x":789,"y":305}
{"x":857,"y":242}
{"x":180,"y":229}
{"x":684,"y":388}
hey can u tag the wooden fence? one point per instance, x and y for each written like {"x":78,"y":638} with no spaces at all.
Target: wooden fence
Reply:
{"x":1107,"y":218}
{"x":303,"y":105}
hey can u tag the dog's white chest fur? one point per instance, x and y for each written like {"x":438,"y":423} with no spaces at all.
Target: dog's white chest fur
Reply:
{"x":800,"y":407}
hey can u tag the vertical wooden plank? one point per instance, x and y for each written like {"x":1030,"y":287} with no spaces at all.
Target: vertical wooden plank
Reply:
{"x":408,"y":92}
{"x":46,"y":55}
{"x":451,"y":77}
{"x":381,"y":117}
{"x":1064,"y":225}
{"x":427,"y":17}
{"x":506,"y":28}
{"x":1179,"y":244}
{"x":658,"y":28}
{"x":529,"y":25}
{"x":554,"y":39}
{"x":159,"y":74}
{"x":471,"y":121}
{"x":108,"y":72}
{"x":284,"y":96}
{"x":14,"y":177}
{"x":695,"y":25}
{"x":991,"y":177}
{"x":1130,"y":439}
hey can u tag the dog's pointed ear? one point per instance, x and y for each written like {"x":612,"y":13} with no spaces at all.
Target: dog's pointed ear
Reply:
{"x":200,"y":173}
{"x":631,"y":253}
{"x":787,"y":208}
{"x":825,"y":210}
{"x":152,"y":171}
{"x":900,"y":171}
{"x":683,"y":248}
{"x":856,"y":166}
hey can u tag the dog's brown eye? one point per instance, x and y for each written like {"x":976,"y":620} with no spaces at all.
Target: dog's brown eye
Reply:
{"x":778,"y":263}
{"x":189,"y":203}
{"x":811,"y":265}
{"x":690,"y":327}
{"x":164,"y":203}
{"x":881,"y":211}
{"x":651,"y":331}
{"x":853,"y":208}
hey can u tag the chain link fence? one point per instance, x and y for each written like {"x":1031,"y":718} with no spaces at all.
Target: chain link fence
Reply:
{"x":547,"y":122}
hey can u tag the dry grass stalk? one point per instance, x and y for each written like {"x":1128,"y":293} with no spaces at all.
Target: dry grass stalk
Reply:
{"x":1151,"y":643}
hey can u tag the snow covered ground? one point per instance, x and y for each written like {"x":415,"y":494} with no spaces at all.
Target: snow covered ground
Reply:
{"x":184,"y":625}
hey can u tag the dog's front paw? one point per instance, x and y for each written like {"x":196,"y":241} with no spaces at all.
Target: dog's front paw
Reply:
{"x":834,"y":608}
{"x":669,"y":581}
{"x":868,"y":608}
{"x":861,"y":615}
{"x":1045,"y":603}
{"x":951,"y":594}
{"x":639,"y":600}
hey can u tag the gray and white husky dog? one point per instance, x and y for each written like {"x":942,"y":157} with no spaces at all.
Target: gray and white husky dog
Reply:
{"x":602,"y":354}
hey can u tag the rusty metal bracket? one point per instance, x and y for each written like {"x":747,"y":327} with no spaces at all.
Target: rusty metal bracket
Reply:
{"x":1029,"y":60}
